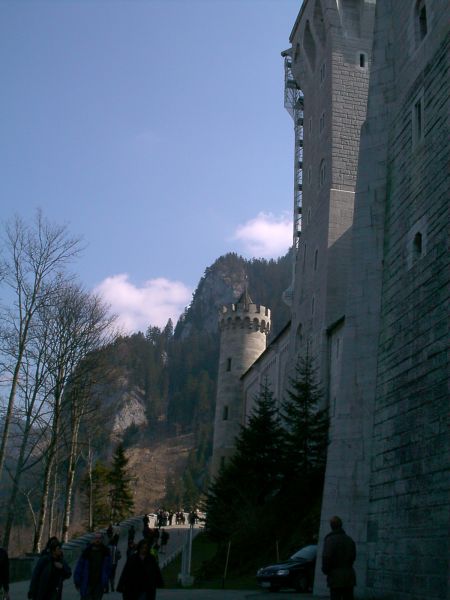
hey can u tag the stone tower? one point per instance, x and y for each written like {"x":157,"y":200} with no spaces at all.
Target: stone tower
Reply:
{"x":329,"y":61}
{"x":243,"y":337}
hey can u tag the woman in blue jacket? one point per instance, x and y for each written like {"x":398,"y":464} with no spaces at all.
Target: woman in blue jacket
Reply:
{"x":93,"y":569}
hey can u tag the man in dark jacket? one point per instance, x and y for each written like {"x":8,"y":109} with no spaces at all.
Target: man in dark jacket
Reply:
{"x":339,"y":553}
{"x":49,"y":574}
{"x":141,"y":575}
{"x":93,"y":569}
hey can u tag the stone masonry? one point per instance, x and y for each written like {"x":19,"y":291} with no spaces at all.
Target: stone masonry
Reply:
{"x":371,"y":285}
{"x":244,"y":327}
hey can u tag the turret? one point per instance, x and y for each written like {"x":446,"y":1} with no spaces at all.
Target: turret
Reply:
{"x":244,"y":327}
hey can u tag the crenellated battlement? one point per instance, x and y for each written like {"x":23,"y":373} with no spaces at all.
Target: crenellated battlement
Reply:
{"x":245,"y":316}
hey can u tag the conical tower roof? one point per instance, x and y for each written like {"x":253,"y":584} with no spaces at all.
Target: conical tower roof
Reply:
{"x":245,"y":298}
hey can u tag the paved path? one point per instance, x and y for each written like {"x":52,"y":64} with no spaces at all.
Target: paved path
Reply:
{"x":18,"y":591}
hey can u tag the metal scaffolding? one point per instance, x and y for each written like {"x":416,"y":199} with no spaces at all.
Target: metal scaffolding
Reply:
{"x":293,"y":102}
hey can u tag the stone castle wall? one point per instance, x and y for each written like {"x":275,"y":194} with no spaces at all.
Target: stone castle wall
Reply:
{"x":327,"y":42}
{"x":410,"y":478}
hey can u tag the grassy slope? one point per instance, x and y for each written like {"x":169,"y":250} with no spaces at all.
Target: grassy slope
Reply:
{"x":204,"y":550}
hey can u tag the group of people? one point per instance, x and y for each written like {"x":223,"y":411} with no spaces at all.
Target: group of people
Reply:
{"x":95,"y":571}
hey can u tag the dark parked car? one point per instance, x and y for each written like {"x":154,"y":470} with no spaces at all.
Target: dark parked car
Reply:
{"x":296,"y":572}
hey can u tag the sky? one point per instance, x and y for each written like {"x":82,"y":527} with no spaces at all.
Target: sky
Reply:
{"x":155,"y":130}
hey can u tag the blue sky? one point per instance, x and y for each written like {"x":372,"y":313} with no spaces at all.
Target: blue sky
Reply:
{"x":153,"y":129}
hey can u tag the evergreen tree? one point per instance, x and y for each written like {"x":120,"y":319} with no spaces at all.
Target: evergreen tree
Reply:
{"x":95,"y":487}
{"x":121,"y":495}
{"x":238,"y":497}
{"x":306,"y":424}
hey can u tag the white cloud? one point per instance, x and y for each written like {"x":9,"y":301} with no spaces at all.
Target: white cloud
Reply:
{"x":151,"y":304}
{"x":265,"y":236}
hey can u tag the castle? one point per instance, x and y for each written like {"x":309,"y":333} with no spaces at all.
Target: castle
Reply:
{"x":367,"y":87}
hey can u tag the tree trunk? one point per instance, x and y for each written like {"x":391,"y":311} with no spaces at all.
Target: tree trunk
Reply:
{"x":12,"y":397}
{"x":15,"y":488}
{"x":69,"y":482}
{"x":51,"y":517}
{"x":48,"y":471}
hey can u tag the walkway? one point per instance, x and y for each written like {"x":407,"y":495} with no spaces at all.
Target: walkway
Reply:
{"x":19,"y":590}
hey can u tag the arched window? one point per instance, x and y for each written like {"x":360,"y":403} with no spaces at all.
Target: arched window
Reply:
{"x":322,"y":173}
{"x":362,"y":60}
{"x":321,"y":122}
{"x":420,"y":21}
{"x":417,"y":246}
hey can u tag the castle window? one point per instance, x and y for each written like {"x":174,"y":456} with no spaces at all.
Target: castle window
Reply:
{"x":417,"y":120}
{"x":322,"y":173}
{"x":228,"y":364}
{"x":321,"y":122}
{"x":362,"y":57}
{"x":225,"y":413}
{"x":297,"y":51}
{"x":316,"y":256}
{"x":313,"y":301}
{"x":421,"y":23}
{"x":322,"y":72}
{"x":417,"y":242}
{"x":417,"y":246}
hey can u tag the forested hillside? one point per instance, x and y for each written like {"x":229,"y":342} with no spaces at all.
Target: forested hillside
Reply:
{"x":151,"y":391}
{"x":174,"y":370}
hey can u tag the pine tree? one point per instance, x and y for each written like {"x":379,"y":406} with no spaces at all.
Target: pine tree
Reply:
{"x":95,"y":487}
{"x":306,"y":424}
{"x":260,"y":445}
{"x":237,"y":498}
{"x":121,"y":495}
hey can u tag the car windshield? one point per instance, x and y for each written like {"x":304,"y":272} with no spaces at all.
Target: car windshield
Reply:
{"x":308,"y":553}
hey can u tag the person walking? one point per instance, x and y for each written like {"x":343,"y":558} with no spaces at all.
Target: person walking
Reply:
{"x":339,"y":554}
{"x":131,"y":533}
{"x":4,"y":574}
{"x":115,"y":557}
{"x":93,"y":569}
{"x":141,"y":575}
{"x":49,"y":573}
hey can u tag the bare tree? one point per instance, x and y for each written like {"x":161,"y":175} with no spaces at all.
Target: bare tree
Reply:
{"x":33,"y":256}
{"x":32,"y":422}
{"x":78,"y":324}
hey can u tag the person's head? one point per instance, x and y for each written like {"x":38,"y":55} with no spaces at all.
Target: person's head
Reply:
{"x":56,"y":550}
{"x":335,"y":523}
{"x":97,"y":539}
{"x":143,"y":548}
{"x":51,"y":542}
